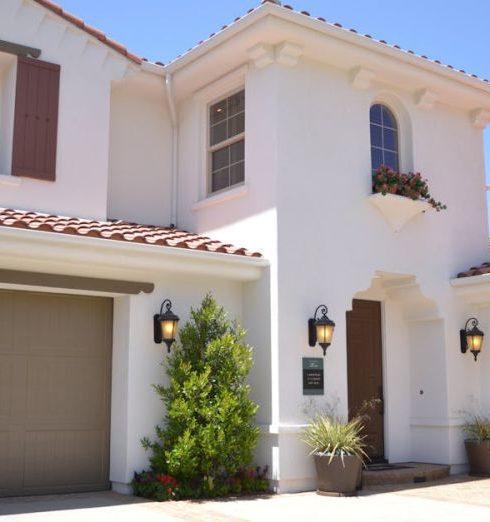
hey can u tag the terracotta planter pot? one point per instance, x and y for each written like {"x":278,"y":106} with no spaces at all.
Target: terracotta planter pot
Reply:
{"x":478,"y":456}
{"x":338,"y":478}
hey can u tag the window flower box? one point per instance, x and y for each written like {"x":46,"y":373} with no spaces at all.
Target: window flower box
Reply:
{"x":401,"y":197}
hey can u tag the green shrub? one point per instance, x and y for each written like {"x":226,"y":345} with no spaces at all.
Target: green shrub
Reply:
{"x":208,"y":429}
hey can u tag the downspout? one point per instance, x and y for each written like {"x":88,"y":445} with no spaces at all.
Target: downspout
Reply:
{"x":175,"y":149}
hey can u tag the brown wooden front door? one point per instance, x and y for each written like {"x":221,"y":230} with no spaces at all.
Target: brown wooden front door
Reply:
{"x":365,"y":371}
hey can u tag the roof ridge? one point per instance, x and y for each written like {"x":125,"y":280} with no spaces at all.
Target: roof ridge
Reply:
{"x":337,"y":25}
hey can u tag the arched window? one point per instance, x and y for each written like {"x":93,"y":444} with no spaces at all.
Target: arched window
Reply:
{"x":384,"y":138}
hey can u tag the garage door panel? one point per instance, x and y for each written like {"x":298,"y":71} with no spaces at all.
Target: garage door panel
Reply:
{"x":84,"y":383}
{"x":68,"y":457}
{"x":11,"y":442}
{"x":6,"y":322}
{"x":13,"y":371}
{"x":55,"y":373}
{"x":80,"y":323}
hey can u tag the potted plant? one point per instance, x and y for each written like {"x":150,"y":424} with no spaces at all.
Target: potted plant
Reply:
{"x":339,"y":452}
{"x":478,"y":444}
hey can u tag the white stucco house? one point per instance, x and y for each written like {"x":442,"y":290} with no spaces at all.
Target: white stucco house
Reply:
{"x":263,"y":136}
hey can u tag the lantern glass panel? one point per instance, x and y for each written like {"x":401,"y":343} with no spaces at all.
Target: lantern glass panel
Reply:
{"x":324,"y":333}
{"x":169,"y":329}
{"x":475,"y":342}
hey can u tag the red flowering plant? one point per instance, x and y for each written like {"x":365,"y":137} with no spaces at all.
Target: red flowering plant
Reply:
{"x":158,"y":486}
{"x":411,"y":185}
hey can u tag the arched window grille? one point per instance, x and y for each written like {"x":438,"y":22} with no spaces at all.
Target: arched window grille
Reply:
{"x":384,"y":138}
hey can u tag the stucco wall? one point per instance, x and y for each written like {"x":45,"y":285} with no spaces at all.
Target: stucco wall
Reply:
{"x":87,"y":69}
{"x":140,"y":154}
{"x":308,"y":165}
{"x":8,"y":73}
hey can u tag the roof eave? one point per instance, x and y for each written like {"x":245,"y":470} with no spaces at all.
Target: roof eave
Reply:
{"x":95,"y":33}
{"x":39,"y":247}
{"x":353,"y":38}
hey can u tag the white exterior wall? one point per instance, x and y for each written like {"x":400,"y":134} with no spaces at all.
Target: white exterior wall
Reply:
{"x":327,"y":183}
{"x":8,"y":73}
{"x":308,"y":166}
{"x":140,"y":155}
{"x":87,"y":69}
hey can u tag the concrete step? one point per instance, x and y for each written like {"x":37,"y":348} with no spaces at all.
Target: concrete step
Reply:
{"x":403,"y":473}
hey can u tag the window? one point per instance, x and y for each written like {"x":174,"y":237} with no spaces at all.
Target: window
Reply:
{"x":227,"y":142}
{"x":384,"y":138}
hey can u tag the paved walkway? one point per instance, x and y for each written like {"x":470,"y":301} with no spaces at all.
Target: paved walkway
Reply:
{"x":454,"y":499}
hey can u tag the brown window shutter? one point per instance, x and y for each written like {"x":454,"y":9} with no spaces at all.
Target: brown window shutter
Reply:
{"x":36,"y":119}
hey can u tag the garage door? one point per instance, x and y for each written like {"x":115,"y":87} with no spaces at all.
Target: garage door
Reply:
{"x":55,"y":374}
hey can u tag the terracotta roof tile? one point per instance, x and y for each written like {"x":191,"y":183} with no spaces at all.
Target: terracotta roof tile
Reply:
{"x":93,"y":31}
{"x":484,"y":268}
{"x":117,"y":230}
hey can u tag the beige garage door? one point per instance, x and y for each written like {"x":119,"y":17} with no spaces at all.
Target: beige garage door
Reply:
{"x":55,"y":374}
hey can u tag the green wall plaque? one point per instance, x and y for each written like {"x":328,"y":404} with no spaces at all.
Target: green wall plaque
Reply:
{"x":313,"y":376}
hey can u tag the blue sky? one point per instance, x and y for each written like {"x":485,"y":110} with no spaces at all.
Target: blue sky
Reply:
{"x":453,"y":31}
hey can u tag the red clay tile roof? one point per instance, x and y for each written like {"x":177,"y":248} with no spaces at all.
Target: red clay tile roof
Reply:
{"x":338,"y":26}
{"x":55,"y":8}
{"x":117,"y":230}
{"x":476,"y":270}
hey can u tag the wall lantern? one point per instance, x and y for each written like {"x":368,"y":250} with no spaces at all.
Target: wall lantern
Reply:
{"x":165,"y":325}
{"x":471,"y":337}
{"x":320,"y":330}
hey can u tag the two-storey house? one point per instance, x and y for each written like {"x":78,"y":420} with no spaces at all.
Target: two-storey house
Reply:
{"x":124,"y":182}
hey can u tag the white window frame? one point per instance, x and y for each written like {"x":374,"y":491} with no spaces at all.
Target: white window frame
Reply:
{"x":208,"y":95}
{"x":221,"y":145}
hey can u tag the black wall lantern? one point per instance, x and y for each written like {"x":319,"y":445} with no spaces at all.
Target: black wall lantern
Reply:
{"x":165,"y":325}
{"x":471,"y":337}
{"x":320,"y":330}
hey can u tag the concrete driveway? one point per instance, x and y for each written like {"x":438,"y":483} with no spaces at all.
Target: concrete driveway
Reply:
{"x":453,"y":499}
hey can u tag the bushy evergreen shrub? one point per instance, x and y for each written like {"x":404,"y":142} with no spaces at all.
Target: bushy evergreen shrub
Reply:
{"x":208,"y":429}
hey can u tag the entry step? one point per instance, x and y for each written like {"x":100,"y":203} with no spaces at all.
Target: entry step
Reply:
{"x":403,"y":473}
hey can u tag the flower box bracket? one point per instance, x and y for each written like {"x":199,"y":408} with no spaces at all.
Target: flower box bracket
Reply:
{"x":398,"y":210}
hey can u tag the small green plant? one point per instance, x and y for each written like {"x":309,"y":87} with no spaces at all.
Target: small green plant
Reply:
{"x":208,"y":434}
{"x":477,"y":428}
{"x":411,"y":185}
{"x":331,"y":436}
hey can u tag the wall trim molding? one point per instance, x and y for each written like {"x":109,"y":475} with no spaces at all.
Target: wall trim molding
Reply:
{"x":19,"y":49}
{"x":41,"y":279}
